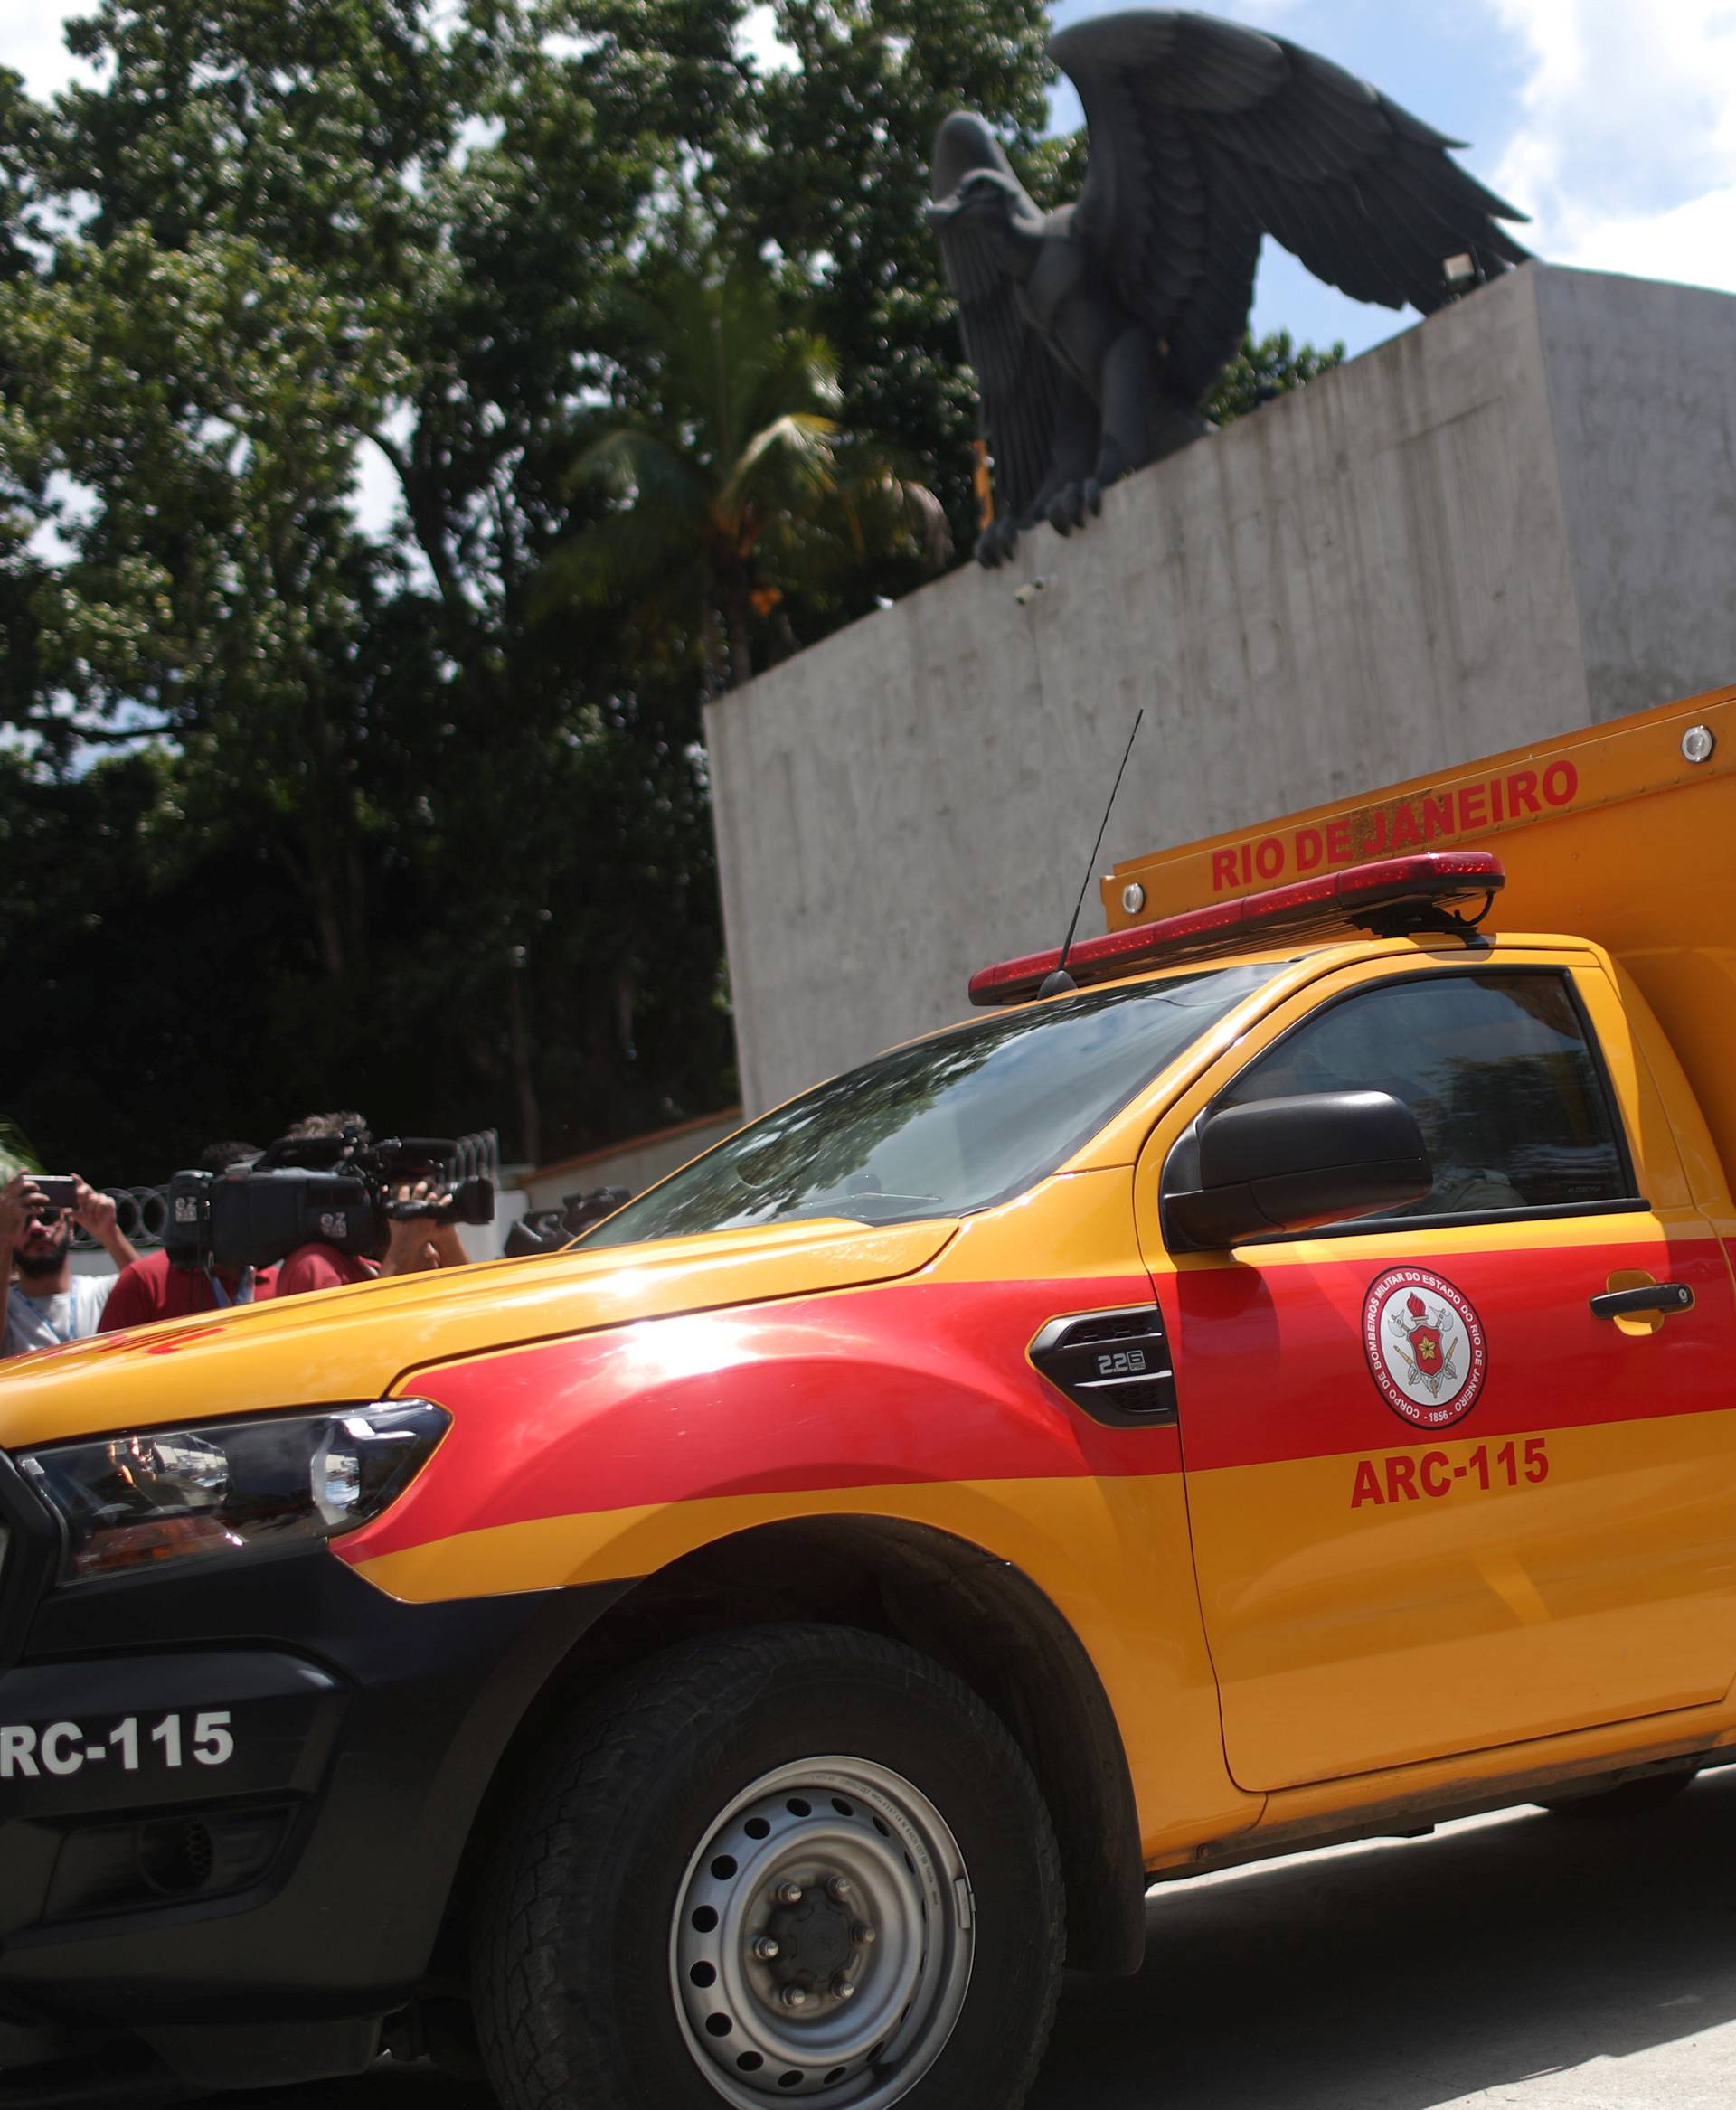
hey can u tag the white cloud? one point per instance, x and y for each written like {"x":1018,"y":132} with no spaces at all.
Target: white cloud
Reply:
{"x":33,"y":41}
{"x":1695,"y":242}
{"x":1625,"y":153}
{"x":377,"y":497}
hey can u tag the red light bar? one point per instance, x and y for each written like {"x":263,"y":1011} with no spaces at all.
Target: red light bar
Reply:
{"x":1435,"y":880}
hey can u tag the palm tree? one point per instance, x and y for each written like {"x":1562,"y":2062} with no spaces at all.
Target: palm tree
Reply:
{"x":735,"y":486}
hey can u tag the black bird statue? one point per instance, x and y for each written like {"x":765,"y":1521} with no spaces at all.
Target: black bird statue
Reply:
{"x":1097,"y":331}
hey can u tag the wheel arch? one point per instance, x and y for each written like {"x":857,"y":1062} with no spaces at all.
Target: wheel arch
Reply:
{"x":980,"y":1616}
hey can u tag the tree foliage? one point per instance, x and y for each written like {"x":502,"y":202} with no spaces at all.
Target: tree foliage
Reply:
{"x":408,"y":412}
{"x":733,"y":494}
{"x":1265,"y":369}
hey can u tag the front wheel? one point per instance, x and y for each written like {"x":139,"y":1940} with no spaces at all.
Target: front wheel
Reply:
{"x":783,"y":1862}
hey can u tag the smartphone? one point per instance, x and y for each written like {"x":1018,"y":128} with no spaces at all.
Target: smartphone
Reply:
{"x":59,"y":1190}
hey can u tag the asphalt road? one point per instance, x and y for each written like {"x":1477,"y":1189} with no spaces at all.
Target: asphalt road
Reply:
{"x":1516,"y":1959}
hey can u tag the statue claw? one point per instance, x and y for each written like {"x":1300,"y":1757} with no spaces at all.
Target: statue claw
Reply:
{"x":1067,"y":509}
{"x":1094,"y":496}
{"x":997,"y":543}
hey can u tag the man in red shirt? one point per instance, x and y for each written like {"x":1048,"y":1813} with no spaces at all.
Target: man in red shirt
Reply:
{"x":154,"y":1287}
{"x":411,"y":1245}
{"x":317,"y":1265}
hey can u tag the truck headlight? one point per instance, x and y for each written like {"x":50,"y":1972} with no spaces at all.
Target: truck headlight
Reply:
{"x":128,"y":1502}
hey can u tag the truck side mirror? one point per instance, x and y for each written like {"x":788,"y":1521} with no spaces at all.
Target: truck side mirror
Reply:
{"x":1289,"y":1165}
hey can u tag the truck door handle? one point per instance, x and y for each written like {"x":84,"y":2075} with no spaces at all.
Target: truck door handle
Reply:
{"x":1658,"y":1296}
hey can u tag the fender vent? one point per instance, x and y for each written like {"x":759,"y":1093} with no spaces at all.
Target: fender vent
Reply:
{"x":1114,"y":1365}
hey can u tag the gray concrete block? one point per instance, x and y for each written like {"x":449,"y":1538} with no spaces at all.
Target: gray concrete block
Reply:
{"x":1642,"y":394}
{"x":1513,"y":519}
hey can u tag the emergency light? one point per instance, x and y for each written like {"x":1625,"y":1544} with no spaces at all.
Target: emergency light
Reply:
{"x":1390,"y":897}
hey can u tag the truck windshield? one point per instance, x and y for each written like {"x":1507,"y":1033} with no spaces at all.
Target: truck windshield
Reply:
{"x":948,"y":1124}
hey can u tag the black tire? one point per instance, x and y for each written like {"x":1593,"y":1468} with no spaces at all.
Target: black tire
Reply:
{"x":1633,"y":1798}
{"x":575,"y":1941}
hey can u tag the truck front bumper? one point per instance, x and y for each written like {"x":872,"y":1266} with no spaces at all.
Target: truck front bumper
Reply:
{"x":234,"y":1796}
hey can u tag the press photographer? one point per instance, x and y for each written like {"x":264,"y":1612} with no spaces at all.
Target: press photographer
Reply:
{"x":48,"y":1304}
{"x":177,"y":1279}
{"x":336,"y":1206}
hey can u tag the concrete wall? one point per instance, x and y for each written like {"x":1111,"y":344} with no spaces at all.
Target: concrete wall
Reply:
{"x":1642,"y":393}
{"x":1513,"y":519}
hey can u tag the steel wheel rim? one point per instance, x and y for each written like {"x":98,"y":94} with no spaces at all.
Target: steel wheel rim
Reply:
{"x":900,"y":1935}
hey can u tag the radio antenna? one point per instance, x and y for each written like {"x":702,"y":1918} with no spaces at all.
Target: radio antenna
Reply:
{"x":1058,"y":983}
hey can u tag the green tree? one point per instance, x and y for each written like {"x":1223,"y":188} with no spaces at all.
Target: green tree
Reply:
{"x":215,"y":593}
{"x":734,"y":485}
{"x":293,"y":263}
{"x":1264,"y":369}
{"x":553,"y":764}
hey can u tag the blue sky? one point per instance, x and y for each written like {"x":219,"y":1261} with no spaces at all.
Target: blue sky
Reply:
{"x":1612,"y":122}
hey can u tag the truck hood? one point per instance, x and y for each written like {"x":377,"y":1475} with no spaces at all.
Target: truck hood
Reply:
{"x":358,"y":1343}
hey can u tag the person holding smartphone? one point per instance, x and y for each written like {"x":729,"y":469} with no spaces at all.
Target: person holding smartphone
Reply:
{"x":44,"y":1303}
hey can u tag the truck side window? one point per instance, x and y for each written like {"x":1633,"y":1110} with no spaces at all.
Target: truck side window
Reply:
{"x":1497,"y":1067}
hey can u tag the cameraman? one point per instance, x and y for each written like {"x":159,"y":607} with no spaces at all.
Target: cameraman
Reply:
{"x":49,"y":1305}
{"x":412,"y":1244}
{"x":155,"y":1287}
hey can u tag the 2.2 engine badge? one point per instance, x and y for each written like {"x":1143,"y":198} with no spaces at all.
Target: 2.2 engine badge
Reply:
{"x":1424,"y":1345}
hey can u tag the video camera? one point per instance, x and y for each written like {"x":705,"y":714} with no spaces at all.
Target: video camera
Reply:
{"x":551,"y":1230}
{"x":334,"y":1190}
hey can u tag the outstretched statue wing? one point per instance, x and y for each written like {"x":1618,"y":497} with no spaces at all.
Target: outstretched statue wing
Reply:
{"x":1016,"y":379}
{"x":1204,"y":136}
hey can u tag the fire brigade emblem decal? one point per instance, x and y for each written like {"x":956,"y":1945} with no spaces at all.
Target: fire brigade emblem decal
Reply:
{"x":1425,"y":1347}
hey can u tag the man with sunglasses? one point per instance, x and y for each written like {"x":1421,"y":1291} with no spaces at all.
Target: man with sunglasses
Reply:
{"x":47,"y":1305}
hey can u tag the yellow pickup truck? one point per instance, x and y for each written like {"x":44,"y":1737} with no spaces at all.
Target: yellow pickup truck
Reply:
{"x":1277,"y":1387}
